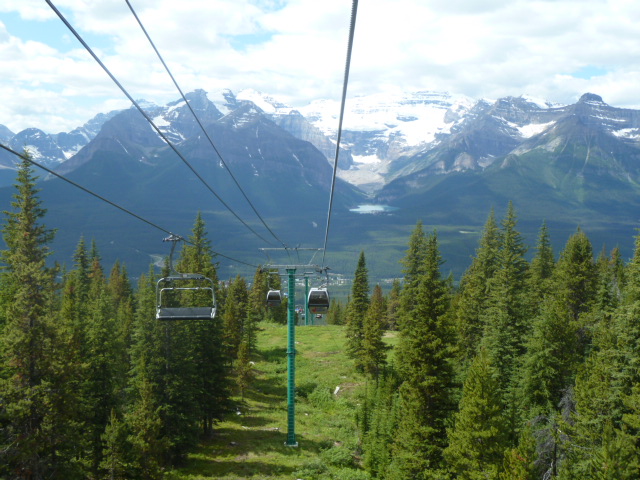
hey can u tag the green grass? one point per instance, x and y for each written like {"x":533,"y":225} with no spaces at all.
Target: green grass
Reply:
{"x":251,"y":445}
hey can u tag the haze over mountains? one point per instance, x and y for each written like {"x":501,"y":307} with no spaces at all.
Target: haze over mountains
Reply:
{"x":434,"y":157}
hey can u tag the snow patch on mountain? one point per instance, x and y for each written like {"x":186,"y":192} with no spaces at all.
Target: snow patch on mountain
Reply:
{"x":629,"y":133}
{"x":34,"y":152}
{"x":528,"y":131}
{"x":417,"y":116}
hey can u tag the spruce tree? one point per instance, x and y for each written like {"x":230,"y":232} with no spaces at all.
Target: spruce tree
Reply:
{"x":165,"y":384}
{"x":381,"y":423}
{"x":541,"y":269}
{"x":506,"y":314}
{"x":211,"y":383}
{"x":374,"y":350}
{"x":335,"y":316}
{"x":414,"y":262}
{"x":471,"y":302}
{"x":34,"y":410}
{"x":576,"y":276}
{"x":550,"y":363}
{"x":148,"y":440}
{"x":105,"y":362}
{"x":393,"y":304}
{"x":356,"y":310}
{"x":479,"y":438}
{"x":424,"y":358}
{"x":233,"y":319}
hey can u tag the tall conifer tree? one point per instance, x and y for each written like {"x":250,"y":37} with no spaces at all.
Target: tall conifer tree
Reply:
{"x":424,"y":358}
{"x":541,"y":270}
{"x":479,"y":438}
{"x":356,"y":310}
{"x":506,"y":314}
{"x":374,"y":349}
{"x":34,"y":410}
{"x":471,"y":302}
{"x":211,"y":376}
{"x":414,"y":263}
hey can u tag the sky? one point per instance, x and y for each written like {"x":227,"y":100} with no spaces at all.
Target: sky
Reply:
{"x":295,"y":51}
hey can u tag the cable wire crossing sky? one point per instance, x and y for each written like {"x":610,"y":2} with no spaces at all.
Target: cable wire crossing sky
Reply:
{"x":293,"y":50}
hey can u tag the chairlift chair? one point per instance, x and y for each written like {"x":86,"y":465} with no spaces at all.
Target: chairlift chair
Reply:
{"x":274,"y":298}
{"x":182,"y":282}
{"x":318,"y":300}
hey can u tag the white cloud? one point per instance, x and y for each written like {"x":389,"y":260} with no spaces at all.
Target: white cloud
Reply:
{"x":296,"y":51}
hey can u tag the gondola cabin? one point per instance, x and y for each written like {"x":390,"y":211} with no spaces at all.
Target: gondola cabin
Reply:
{"x":274,"y":298}
{"x":318,"y":300}
{"x":185,"y":296}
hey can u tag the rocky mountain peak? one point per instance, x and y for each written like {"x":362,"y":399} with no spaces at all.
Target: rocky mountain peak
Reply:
{"x":591,"y":98}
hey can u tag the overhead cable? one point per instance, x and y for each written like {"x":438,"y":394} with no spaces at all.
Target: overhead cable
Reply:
{"x":206,"y":134}
{"x":354,"y":11}
{"x":113,"y":204}
{"x":144,"y":114}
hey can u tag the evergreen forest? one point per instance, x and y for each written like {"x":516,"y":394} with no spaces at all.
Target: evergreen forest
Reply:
{"x":519,"y":370}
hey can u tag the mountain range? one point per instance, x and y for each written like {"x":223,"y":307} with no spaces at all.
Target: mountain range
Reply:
{"x":442,"y":159}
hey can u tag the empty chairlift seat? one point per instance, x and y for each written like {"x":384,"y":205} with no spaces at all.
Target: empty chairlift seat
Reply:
{"x":318,"y":300}
{"x":274,"y":298}
{"x":175,"y":301}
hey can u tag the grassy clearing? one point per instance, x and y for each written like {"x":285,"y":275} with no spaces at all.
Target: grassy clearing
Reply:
{"x":251,"y":444}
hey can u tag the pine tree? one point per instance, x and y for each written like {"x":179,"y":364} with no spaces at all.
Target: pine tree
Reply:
{"x":35,"y":421}
{"x":117,"y":460}
{"x":631,"y":291}
{"x":121,"y":294}
{"x":165,"y":383}
{"x":393,"y":305}
{"x":211,"y":383}
{"x":506,"y":315}
{"x":576,"y":276}
{"x":549,"y":365}
{"x":105,"y":360}
{"x":356,"y":311}
{"x":479,"y":438}
{"x":471,"y":302}
{"x":506,"y":312}
{"x":258,"y":295}
{"x":235,"y":314}
{"x":414,"y":262}
{"x":144,"y":419}
{"x":424,"y":358}
{"x":335,"y":316}
{"x":374,"y":350}
{"x":519,"y":462}
{"x":381,"y":423}
{"x":243,"y":369}
{"x":541,"y":270}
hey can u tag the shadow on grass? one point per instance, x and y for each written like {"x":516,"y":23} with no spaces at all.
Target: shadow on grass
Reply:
{"x":247,"y":419}
{"x":237,"y":469}
{"x":248,"y":454}
{"x":265,"y":389}
{"x":274,"y":354}
{"x":226,"y":441}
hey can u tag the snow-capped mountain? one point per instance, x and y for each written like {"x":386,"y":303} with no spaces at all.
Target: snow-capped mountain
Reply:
{"x":384,"y":138}
{"x":448,"y":160}
{"x":377,"y":129}
{"x":50,"y":150}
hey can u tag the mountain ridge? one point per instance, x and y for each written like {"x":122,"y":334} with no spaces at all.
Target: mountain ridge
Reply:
{"x":572,"y":165}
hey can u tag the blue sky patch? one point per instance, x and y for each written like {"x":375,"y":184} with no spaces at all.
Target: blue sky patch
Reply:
{"x":52,"y":32}
{"x":589,"y":71}
{"x":242,"y":42}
